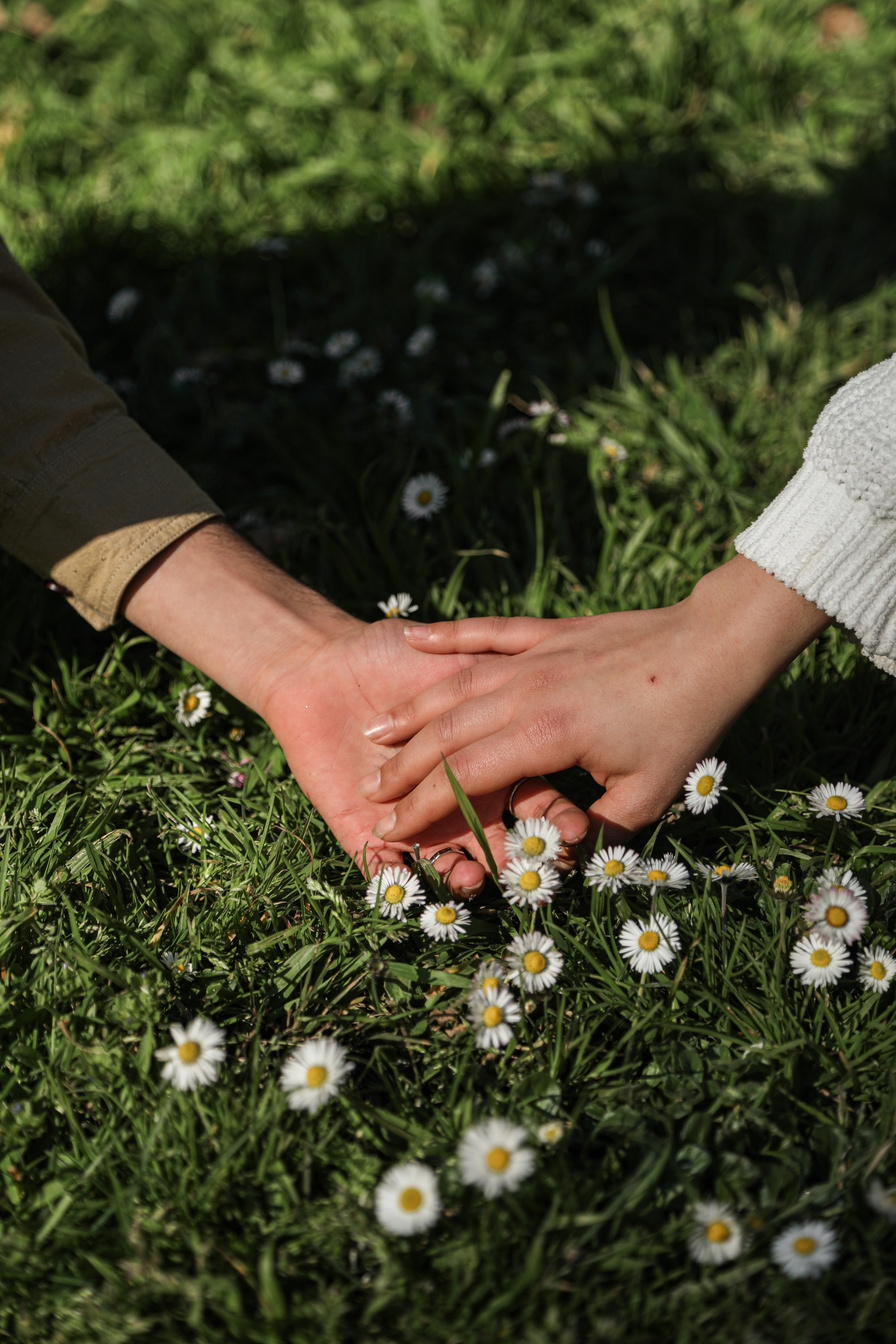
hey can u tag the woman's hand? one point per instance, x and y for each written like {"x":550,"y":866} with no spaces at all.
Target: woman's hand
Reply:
{"x":635,"y":697}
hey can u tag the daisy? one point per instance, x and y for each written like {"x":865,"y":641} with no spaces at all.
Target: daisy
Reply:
{"x":880,"y":1198}
{"x":805,"y":1250}
{"x":703,"y":786}
{"x":446,"y":921}
{"x":122,"y":304}
{"x":420,"y":342}
{"x":728,"y":872}
{"x":194,"y":834}
{"x":314,"y":1073}
{"x":818,"y":960}
{"x":494,"y":1012}
{"x":782,"y":884}
{"x":490,"y":975}
{"x":340,"y":344}
{"x":528,"y":882}
{"x":432,"y":288}
{"x":663,"y":874}
{"x":717,"y":1234}
{"x":407,"y":1199}
{"x":424,"y":495}
{"x":613,"y":868}
{"x":184,"y":968}
{"x":837,"y":914}
{"x":837,"y":801}
{"x":393,"y":891}
{"x":550,"y":1133}
{"x":487,"y":458}
{"x":390,"y":399}
{"x":486,"y":278}
{"x":236,"y":779}
{"x":188,"y":374}
{"x":534,"y":838}
{"x":540,"y":408}
{"x":533,"y":961}
{"x":845,"y":881}
{"x":193,"y":705}
{"x":876,"y":969}
{"x":193,"y":1059}
{"x":364,"y":363}
{"x":649,"y":944}
{"x":285,"y":372}
{"x":399,"y":604}
{"x":494,"y":1155}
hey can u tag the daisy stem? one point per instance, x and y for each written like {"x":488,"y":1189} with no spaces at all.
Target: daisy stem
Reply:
{"x":829,"y":850}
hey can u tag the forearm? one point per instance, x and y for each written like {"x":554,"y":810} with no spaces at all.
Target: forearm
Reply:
{"x":216,"y":601}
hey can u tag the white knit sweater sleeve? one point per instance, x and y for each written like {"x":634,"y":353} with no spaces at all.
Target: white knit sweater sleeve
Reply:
{"x":831,"y":532}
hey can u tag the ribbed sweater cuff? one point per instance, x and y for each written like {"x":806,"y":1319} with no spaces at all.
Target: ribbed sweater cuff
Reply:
{"x":832,"y":550}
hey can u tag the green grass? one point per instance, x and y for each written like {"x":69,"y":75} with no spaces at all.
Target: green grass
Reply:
{"x":745,"y":178}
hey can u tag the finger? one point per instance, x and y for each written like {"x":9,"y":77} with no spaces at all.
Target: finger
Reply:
{"x":625,"y":808}
{"x":536,"y":798}
{"x":484,"y":634}
{"x":482,"y":768}
{"x":410,"y":716}
{"x":463,"y":877}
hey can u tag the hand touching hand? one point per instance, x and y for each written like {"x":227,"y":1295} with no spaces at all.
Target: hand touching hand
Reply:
{"x":635,"y":697}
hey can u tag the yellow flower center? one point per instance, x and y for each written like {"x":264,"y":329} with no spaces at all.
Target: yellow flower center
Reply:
{"x":530,"y":880}
{"x":491,"y":982}
{"x":704,"y":785}
{"x":196,"y":830}
{"x":820,"y":958}
{"x":613,"y":868}
{"x":533,"y":845}
{"x":410,"y":1199}
{"x":657,"y":875}
{"x":392,"y":895}
{"x":190,"y":702}
{"x":804,"y":1245}
{"x":649,"y":940}
{"x":877,"y":970}
{"x":424,"y":496}
{"x":836,"y":802}
{"x":718,"y":1232}
{"x":188,"y":1053}
{"x":492,"y":1016}
{"x":782,"y":883}
{"x":393,"y":611}
{"x":445,"y":915}
{"x":722,"y":868}
{"x":316,"y":1076}
{"x":496,"y":1159}
{"x":836,"y":915}
{"x":611,"y":450}
{"x":534,"y":962}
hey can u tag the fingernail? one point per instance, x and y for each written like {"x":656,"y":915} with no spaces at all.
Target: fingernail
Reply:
{"x":370,"y":783}
{"x":466,"y":892}
{"x":379,"y":726}
{"x":382,"y":828}
{"x":418,"y":632}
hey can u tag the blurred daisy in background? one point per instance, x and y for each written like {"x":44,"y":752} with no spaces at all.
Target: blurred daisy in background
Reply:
{"x":420,"y":342}
{"x":407,"y":1199}
{"x":495,"y":1156}
{"x":818,"y":960}
{"x":122,"y":304}
{"x":494,"y":1012}
{"x":663,"y":874}
{"x":717,"y":1235}
{"x":399,"y":604}
{"x":533,"y":961}
{"x":881,"y":1198}
{"x":340,"y":344}
{"x":194,"y":834}
{"x":424,"y":495}
{"x":192,"y":1061}
{"x":193,"y":705}
{"x":313,"y":1074}
{"x":805,"y":1250}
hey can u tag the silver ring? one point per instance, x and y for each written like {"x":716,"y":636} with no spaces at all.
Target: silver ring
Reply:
{"x":511,"y":797}
{"x":449,"y":849}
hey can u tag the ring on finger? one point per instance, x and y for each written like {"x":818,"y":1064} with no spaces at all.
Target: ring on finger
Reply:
{"x":450,"y":849}
{"x":514,"y":790}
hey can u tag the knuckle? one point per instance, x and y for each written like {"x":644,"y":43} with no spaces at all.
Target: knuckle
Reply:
{"x":445,"y":728}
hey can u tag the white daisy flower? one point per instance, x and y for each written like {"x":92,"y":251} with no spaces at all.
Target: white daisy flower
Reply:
{"x":424,"y":495}
{"x":364,"y":363}
{"x":193,"y":705}
{"x":194,"y":834}
{"x":703,"y":786}
{"x":543,"y":407}
{"x":486,"y":278}
{"x":182,"y":968}
{"x":399,"y":604}
{"x":881,"y":1198}
{"x":236,"y":779}
{"x":407,"y":1199}
{"x":420,"y":342}
{"x":314,"y":1073}
{"x":528,"y":882}
{"x":487,"y":458}
{"x":393,"y":891}
{"x":535,"y":838}
{"x":717,"y":1235}
{"x":728,"y":872}
{"x":285,"y":372}
{"x":533,"y":961}
{"x":183,"y":377}
{"x":597,"y":248}
{"x":805,"y":1250}
{"x":390,"y":399}
{"x":819,"y":960}
{"x":844,"y":881}
{"x":433,"y":289}
{"x":193,"y":1059}
{"x":122,"y":304}
{"x":447,"y":921}
{"x":489,"y":975}
{"x":663,"y":874}
{"x":876,"y":969}
{"x":494,"y":1012}
{"x":550,"y":1133}
{"x":340,"y":344}
{"x":649,"y":944}
{"x":495,"y":1156}
{"x":836,"y":914}
{"x":838,"y":800}
{"x":612,"y":868}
